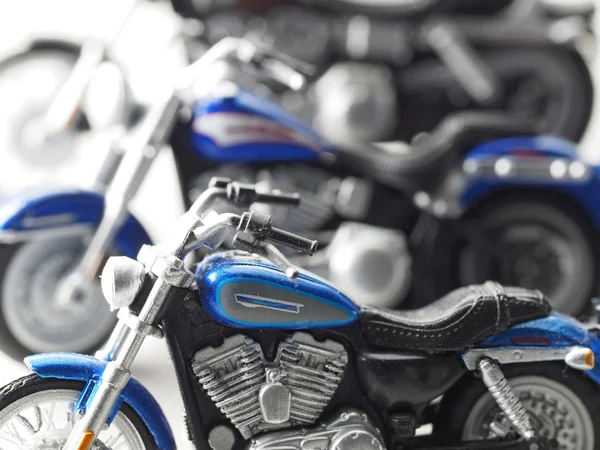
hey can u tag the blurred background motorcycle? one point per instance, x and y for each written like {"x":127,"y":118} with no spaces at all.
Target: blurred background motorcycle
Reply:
{"x":383,"y":71}
{"x":63,"y":81}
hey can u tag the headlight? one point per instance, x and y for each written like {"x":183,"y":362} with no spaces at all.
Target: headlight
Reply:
{"x":121,"y":281}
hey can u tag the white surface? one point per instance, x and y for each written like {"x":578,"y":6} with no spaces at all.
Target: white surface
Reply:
{"x":158,"y":203}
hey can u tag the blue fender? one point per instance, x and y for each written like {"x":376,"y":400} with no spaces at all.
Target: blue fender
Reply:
{"x":38,"y":209}
{"x":556,"y":330}
{"x":536,"y":153}
{"x":72,"y":366}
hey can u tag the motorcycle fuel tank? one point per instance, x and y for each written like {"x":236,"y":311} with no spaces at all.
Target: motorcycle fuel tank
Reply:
{"x":237,"y":126}
{"x":243,"y":292}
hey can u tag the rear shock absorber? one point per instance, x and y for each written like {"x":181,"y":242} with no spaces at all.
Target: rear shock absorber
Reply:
{"x":506,"y":399}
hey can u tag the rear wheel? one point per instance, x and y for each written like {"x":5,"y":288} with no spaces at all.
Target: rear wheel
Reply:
{"x":562,"y":404}
{"x":39,"y":413}
{"x":32,"y":319}
{"x":536,"y":246}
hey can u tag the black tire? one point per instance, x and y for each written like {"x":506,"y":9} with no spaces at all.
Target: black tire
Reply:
{"x":555,"y":228}
{"x":556,"y":84}
{"x":10,"y":343}
{"x":458,"y":404}
{"x":32,"y":384}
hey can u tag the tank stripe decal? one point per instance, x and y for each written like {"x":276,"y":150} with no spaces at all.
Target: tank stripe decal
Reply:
{"x":254,"y":301}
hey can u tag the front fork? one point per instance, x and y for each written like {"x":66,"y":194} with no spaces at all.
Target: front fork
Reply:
{"x":131,"y":171}
{"x":125,"y":342}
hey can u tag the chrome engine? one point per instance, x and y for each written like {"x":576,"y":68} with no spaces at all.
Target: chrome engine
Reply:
{"x":372,"y":265}
{"x":351,"y":102}
{"x":351,"y":430}
{"x":257,"y":395}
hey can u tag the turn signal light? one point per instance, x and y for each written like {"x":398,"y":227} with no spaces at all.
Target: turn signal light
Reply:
{"x":581,"y":358}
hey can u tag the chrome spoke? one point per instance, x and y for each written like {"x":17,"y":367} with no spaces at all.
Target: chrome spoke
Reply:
{"x":11,"y":434}
{"x":44,"y":419}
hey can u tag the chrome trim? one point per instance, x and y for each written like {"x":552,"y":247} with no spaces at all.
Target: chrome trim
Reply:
{"x":508,"y":355}
{"x":536,"y":168}
{"x":509,"y":403}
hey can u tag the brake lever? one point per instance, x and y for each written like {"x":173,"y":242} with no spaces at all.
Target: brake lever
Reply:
{"x":271,"y":252}
{"x":246,"y":241}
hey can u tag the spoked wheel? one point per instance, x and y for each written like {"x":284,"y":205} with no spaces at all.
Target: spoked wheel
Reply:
{"x":33,"y":317}
{"x":38,"y":414}
{"x":561,"y":404}
{"x":536,"y":246}
{"x":28,"y":83}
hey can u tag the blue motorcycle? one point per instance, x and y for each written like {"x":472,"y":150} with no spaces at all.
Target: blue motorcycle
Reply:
{"x":482,"y":197}
{"x":271,"y":357}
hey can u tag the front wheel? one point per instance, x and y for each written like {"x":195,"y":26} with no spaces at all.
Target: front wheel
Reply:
{"x":32,"y":320}
{"x":39,"y":413}
{"x":535,"y":245}
{"x":562,"y":404}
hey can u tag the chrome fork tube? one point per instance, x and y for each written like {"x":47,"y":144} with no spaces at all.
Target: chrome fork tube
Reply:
{"x":130,"y":174}
{"x":114,"y":344}
{"x":117,"y":373}
{"x":127,"y":181}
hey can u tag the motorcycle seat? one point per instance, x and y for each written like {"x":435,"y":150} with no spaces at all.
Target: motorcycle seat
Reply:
{"x":423,"y":166}
{"x":456,"y":321}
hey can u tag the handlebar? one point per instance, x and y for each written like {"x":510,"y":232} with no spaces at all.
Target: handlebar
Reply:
{"x":277,"y":65}
{"x":268,"y":62}
{"x":254,"y":231}
{"x":259,"y":226}
{"x":242,"y":194}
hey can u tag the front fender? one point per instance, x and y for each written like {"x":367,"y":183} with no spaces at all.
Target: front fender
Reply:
{"x":72,"y":366}
{"x":540,"y":163}
{"x":36,"y":211}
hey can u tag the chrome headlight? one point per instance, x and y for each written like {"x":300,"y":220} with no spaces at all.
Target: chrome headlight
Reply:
{"x":121,"y":281}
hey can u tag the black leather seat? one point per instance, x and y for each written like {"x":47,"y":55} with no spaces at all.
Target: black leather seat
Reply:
{"x":432,"y":156}
{"x":456,"y":321}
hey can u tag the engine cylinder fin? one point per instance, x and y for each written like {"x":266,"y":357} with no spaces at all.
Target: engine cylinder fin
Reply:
{"x":233,"y":374}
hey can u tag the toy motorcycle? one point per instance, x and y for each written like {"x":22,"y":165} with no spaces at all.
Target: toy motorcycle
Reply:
{"x":469,"y":203}
{"x":269,"y":357}
{"x":390,"y":70}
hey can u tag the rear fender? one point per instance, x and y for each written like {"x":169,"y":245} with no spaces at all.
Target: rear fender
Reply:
{"x":543,"y":339}
{"x":63,"y":212}
{"x":72,"y":366}
{"x":541,"y":163}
